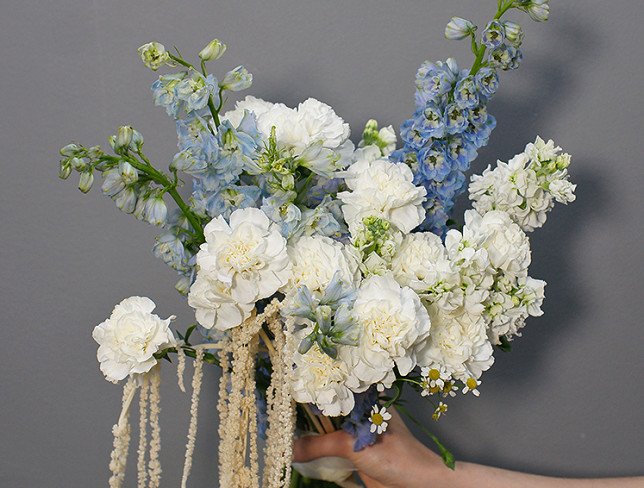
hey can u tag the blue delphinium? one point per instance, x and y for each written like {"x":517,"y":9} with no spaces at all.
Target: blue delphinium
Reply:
{"x":357,"y":422}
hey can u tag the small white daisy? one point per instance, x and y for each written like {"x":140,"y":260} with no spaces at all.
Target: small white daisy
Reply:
{"x":472,"y":385}
{"x":440,"y":410}
{"x":378,"y":419}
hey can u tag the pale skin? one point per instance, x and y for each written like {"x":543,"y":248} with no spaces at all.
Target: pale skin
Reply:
{"x":399,"y":460}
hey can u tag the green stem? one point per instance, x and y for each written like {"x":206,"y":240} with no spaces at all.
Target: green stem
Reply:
{"x":503,"y":7}
{"x":448,"y":457}
{"x":171,"y":189}
{"x":181,"y":61}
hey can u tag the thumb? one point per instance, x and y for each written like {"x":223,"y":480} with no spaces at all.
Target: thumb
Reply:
{"x":309,"y":448}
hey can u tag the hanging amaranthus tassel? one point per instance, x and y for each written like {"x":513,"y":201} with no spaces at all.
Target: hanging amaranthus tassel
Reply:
{"x":154,"y":467}
{"x":143,"y":431}
{"x":194,"y":406}
{"x":281,"y":413}
{"x":121,"y":431}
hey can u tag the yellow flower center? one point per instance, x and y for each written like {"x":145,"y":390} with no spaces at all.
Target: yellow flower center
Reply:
{"x":434,"y":374}
{"x":471,"y":383}
{"x":377,"y":419}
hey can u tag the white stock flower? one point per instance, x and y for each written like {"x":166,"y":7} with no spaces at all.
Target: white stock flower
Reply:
{"x":322,"y":123}
{"x":244,"y":260}
{"x":422,"y":264}
{"x":382,"y":189}
{"x":324,"y":381}
{"x":316,"y":259}
{"x":394,"y":325}
{"x":130,"y":337}
{"x":563,"y":191}
{"x":458,"y":342}
{"x":507,"y":246}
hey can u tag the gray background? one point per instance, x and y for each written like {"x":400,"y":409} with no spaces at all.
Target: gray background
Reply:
{"x":567,"y":400}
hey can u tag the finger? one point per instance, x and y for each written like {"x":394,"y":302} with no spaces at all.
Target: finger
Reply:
{"x":370,"y":482}
{"x":310,"y":447}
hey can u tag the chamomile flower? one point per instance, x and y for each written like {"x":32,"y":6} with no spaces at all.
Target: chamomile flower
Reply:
{"x":439,"y":411}
{"x":436,"y":376}
{"x":472,"y":385}
{"x":378,"y":419}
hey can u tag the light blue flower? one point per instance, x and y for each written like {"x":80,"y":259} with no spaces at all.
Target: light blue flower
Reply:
{"x":411,"y":134}
{"x":283,"y":212}
{"x":430,"y":121}
{"x":196,"y":90}
{"x":493,"y":35}
{"x":465,"y":93}
{"x":237,"y":79}
{"x":229,"y":199}
{"x":455,"y":119}
{"x":156,"y":210}
{"x":433,"y":163}
{"x":487,"y":81}
{"x":505,"y":57}
{"x":126,"y":200}
{"x":478,"y":115}
{"x":170,"y":249}
{"x":163,"y":91}
{"x":460,"y":152}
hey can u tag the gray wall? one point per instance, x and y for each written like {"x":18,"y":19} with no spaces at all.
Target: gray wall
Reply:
{"x":567,"y":400}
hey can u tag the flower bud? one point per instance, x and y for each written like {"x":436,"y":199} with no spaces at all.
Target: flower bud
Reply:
{"x":70,"y":150}
{"x":128,"y":173}
{"x":79,"y":164}
{"x":213,"y":51}
{"x":237,"y":79}
{"x":65,"y":169}
{"x":126,"y":200}
{"x":183,"y":285}
{"x":94,"y":152}
{"x":137,"y":140}
{"x":139,"y":209}
{"x":459,"y":28}
{"x":123,"y":138}
{"x":154,"y":55}
{"x":513,"y":33}
{"x":539,"y":10}
{"x":86,"y":181}
{"x":156,"y":211}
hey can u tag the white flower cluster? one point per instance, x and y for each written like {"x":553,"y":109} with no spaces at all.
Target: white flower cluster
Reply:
{"x":129,"y":339}
{"x":527,"y":186}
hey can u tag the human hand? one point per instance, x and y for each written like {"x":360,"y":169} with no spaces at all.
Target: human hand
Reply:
{"x":396,"y":460}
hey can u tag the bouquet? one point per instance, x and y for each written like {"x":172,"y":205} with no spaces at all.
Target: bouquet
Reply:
{"x":325,"y":278}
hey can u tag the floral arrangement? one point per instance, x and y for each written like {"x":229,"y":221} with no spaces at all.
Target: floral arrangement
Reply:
{"x":325,"y":278}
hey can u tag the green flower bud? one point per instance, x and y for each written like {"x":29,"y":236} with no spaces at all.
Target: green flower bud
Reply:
{"x":65,"y":169}
{"x":513,"y":33}
{"x":123,"y":138}
{"x":459,"y":28}
{"x":86,"y":181}
{"x":70,"y":150}
{"x":154,"y":55}
{"x":79,"y":164}
{"x":183,"y":285}
{"x":213,"y":51}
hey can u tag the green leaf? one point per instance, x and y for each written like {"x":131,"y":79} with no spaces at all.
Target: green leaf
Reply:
{"x":505,"y":345}
{"x":189,"y":333}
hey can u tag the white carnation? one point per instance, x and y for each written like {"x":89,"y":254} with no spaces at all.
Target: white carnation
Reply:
{"x":507,"y":246}
{"x":322,"y":123}
{"x":382,"y":189}
{"x":316,"y":259}
{"x":130,"y":337}
{"x":394,"y":325}
{"x":251,"y":104}
{"x":324,"y":381}
{"x":244,"y":261}
{"x":458,"y":342}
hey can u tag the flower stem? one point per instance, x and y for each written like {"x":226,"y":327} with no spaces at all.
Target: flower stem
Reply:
{"x":503,"y":7}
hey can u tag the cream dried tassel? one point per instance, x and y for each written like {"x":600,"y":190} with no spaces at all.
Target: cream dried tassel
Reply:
{"x":143,"y":431}
{"x":281,"y":413}
{"x":154,"y":466}
{"x":121,"y":431}
{"x":194,"y":406}
{"x":181,"y":367}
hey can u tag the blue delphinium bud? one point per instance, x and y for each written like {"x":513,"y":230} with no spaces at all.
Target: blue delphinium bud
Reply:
{"x":128,"y":173}
{"x":123,"y":139}
{"x":493,"y":35}
{"x":156,"y":210}
{"x":79,"y":164}
{"x":126,"y":200}
{"x":237,"y":79}
{"x":539,"y":10}
{"x":455,"y":118}
{"x":196,"y":90}
{"x":86,"y":181}
{"x":183,"y":285}
{"x":459,"y":28}
{"x":513,"y":33}
{"x":214,"y":50}
{"x":465,"y":93}
{"x":487,"y":81}
{"x":65,"y":169}
{"x":112,"y":182}
{"x":70,"y":150}
{"x":154,"y":55}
